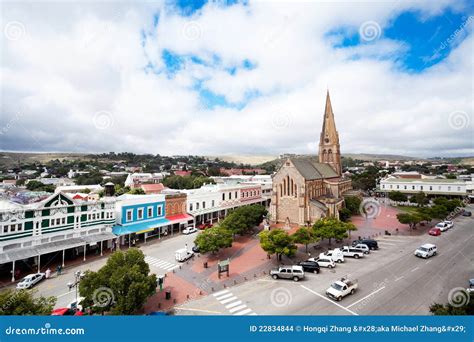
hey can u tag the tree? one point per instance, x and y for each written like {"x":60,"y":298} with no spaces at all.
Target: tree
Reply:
{"x":420,"y":199}
{"x":278,"y":242}
{"x":345,"y":214}
{"x":439,"y":211}
{"x":304,"y":236}
{"x":24,"y":302}
{"x":353,"y":204}
{"x":332,"y":228}
{"x":20,"y":182}
{"x":213,"y":239}
{"x":122,"y":286}
{"x":448,"y":309}
{"x":243,"y":219}
{"x":411,"y":219}
{"x":397,"y":196}
{"x":136,"y":191}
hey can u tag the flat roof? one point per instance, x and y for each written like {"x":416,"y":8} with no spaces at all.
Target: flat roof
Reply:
{"x":423,"y":180}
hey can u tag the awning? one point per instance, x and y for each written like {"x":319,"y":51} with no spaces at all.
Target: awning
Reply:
{"x":140,"y":227}
{"x":179,"y":218}
{"x":51,"y":247}
{"x":145,"y":231}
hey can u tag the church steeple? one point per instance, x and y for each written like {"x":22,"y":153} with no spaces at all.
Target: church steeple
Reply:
{"x":329,"y":150}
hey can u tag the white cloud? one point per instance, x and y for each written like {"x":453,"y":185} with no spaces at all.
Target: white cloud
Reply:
{"x":75,"y":60}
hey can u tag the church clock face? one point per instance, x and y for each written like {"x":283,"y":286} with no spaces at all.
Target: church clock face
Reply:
{"x":326,"y":140}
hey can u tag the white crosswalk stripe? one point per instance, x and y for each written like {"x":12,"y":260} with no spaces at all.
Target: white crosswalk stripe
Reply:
{"x":165,"y":265}
{"x":232,"y":303}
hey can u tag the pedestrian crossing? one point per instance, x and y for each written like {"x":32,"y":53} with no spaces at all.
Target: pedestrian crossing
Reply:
{"x":158,"y":263}
{"x":232,"y":304}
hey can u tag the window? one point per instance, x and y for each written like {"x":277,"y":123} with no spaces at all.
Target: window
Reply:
{"x":223,"y":197}
{"x":421,"y":187}
{"x":20,"y":227}
{"x":5,"y":229}
{"x":439,"y":187}
{"x":190,"y":207}
{"x":413,"y":187}
{"x":58,"y":221}
{"x":63,"y":220}
{"x":129,"y":215}
{"x":235,"y":194}
{"x":197,"y":206}
{"x":459,"y":188}
{"x":140,"y":214}
{"x":212,"y":203}
{"x":203,"y":205}
{"x":398,"y":186}
{"x":405,"y":187}
{"x":449,"y":188}
{"x":159,"y":210}
{"x":230,"y":195}
{"x":12,"y":228}
{"x":150,"y":212}
{"x":383,"y":186}
{"x":390,"y":186}
{"x":431,"y":188}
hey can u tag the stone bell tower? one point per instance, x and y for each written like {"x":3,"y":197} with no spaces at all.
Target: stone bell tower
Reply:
{"x":329,"y":149}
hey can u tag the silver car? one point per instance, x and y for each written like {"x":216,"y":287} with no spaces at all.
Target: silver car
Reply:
{"x":295,"y":272}
{"x":30,"y":280}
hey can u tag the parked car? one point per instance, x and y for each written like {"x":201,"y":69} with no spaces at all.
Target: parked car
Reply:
{"x":471,"y":286}
{"x":294,"y":272}
{"x":30,"y":280}
{"x":309,"y":266}
{"x":66,"y":312}
{"x":352,"y":252}
{"x":363,"y":247}
{"x":189,"y":230}
{"x":443,"y":226}
{"x":203,"y":226}
{"x":435,"y":231}
{"x":335,"y":254}
{"x":449,"y":223}
{"x":183,"y":254}
{"x":195,"y":249}
{"x":341,"y":288}
{"x":323,"y":261}
{"x":372,"y":244}
{"x":426,"y":251}
{"x":466,"y":213}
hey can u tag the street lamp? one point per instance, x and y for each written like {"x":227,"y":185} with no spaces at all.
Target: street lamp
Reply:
{"x":78,"y":275}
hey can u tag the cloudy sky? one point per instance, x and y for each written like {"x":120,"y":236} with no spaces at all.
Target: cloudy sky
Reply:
{"x":213,"y":78}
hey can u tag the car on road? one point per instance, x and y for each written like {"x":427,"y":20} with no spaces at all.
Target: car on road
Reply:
{"x":309,"y":266}
{"x":372,"y":244}
{"x":30,"y":280}
{"x":434,"y":231}
{"x":335,"y":254}
{"x":443,"y":226}
{"x":323,"y":261}
{"x":341,"y":288}
{"x":189,"y":230}
{"x":363,"y":247}
{"x":294,"y":272}
{"x":203,"y":226}
{"x":449,"y":223}
{"x":352,"y":252}
{"x":66,"y":312}
{"x":426,"y":251}
{"x":183,"y":254}
{"x":466,"y":213}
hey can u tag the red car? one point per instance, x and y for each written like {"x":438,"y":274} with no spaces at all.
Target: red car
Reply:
{"x":66,"y":312}
{"x":435,"y":231}
{"x":205,"y":226}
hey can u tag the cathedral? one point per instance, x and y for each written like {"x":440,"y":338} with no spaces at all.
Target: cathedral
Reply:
{"x":306,"y":189}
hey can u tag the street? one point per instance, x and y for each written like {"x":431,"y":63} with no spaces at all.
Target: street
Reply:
{"x":392,"y":281}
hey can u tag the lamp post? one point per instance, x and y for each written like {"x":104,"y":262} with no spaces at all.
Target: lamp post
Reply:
{"x":78,"y":275}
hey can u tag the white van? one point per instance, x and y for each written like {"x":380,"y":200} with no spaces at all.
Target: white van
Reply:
{"x":183,"y":254}
{"x":425,"y":251}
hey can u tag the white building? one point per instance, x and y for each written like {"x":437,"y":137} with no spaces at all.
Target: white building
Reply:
{"x":72,"y":189}
{"x":135,"y":179}
{"x":444,"y":187}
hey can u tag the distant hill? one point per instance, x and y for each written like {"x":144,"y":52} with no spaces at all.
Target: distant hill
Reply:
{"x":12,"y":159}
{"x":373,"y":157}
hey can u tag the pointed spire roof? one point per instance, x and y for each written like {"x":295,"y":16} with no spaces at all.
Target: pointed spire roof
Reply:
{"x":329,"y":125}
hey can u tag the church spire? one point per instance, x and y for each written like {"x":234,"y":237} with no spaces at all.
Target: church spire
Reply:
{"x":329,"y":150}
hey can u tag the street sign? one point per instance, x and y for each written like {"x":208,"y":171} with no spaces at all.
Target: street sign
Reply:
{"x":223,"y":267}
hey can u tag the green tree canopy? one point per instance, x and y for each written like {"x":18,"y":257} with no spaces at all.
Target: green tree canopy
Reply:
{"x":332,"y":228}
{"x":411,"y":219}
{"x":278,"y":242}
{"x":121,"y":286}
{"x":214,"y":239}
{"x":243,"y":219}
{"x":397,"y":196}
{"x":305,"y":236}
{"x":353,"y":204}
{"x":23,"y":302}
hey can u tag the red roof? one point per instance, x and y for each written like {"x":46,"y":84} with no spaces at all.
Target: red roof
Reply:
{"x":152,"y":188}
{"x":182,"y":173}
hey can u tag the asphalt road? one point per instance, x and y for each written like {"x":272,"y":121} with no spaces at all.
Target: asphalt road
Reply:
{"x":392,"y":281}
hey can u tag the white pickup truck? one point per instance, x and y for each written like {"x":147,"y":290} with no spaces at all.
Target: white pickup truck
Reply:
{"x":341,"y":288}
{"x":335,"y":254}
{"x":352,"y":252}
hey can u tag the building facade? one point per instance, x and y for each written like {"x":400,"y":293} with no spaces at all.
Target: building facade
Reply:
{"x":305,"y":189}
{"x":443,"y":187}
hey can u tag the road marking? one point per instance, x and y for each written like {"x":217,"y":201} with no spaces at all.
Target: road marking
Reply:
{"x":199,"y":310}
{"x":62,"y":295}
{"x":244,"y":312}
{"x":386,"y":243}
{"x":220,"y":292}
{"x":227,"y":295}
{"x":413,"y":270}
{"x":237,"y":308}
{"x":401,"y":277}
{"x":231,"y":305}
{"x":370,"y":294}
{"x":428,"y":261}
{"x":228,"y":300}
{"x":330,"y":301}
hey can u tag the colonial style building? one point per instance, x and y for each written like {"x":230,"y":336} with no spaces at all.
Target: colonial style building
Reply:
{"x":305,"y":189}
